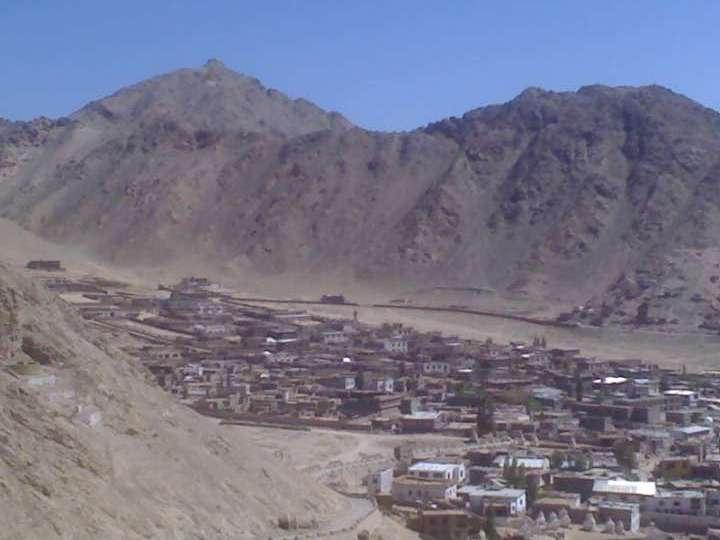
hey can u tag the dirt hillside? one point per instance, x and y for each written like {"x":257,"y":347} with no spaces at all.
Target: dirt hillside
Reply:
{"x":91,"y":448}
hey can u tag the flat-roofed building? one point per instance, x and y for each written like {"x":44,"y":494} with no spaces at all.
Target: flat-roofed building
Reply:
{"x":503,"y":501}
{"x":438,"y":471}
{"x":621,"y":490}
{"x":409,"y":490}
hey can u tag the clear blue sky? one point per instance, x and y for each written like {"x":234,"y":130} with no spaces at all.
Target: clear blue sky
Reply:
{"x":384,"y":64}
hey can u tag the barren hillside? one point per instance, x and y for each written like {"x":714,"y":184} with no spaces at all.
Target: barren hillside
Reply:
{"x":90,"y":449}
{"x":605,"y":195}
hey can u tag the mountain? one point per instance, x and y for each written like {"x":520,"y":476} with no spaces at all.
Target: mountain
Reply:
{"x":605,"y":196}
{"x":91,"y":447}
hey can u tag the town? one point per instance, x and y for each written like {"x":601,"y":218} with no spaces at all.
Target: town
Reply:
{"x":547,"y":440}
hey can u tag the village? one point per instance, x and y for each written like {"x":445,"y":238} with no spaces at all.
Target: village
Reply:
{"x":544,"y":441}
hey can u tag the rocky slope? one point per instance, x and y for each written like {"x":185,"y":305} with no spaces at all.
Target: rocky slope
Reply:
{"x":90,"y":449}
{"x":604,"y":195}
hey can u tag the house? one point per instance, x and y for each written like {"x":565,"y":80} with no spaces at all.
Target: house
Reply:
{"x":687,"y":502}
{"x":529,"y":463}
{"x":680,"y":398}
{"x":409,"y":490}
{"x":421,"y":421}
{"x":689,"y":432}
{"x":377,"y":382}
{"x":395,"y":344}
{"x":503,"y":501}
{"x":334,"y":337}
{"x":627,"y":513}
{"x":448,"y":524}
{"x":211,"y":330}
{"x":339,"y":381}
{"x":380,"y":482}
{"x":438,"y":471}
{"x":435,"y":368}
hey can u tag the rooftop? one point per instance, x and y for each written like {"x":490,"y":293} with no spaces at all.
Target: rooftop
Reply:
{"x":625,"y":487}
{"x":426,"y":466}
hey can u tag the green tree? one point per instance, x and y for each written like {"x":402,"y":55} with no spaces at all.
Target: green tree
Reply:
{"x":625,"y":454}
{"x":486,"y":415}
{"x":579,"y":389}
{"x":532,"y":406}
{"x":557,"y":459}
{"x":532,"y":490}
{"x":490,"y":528}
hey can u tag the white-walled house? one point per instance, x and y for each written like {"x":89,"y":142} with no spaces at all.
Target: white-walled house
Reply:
{"x":436,"y":368}
{"x":380,"y":482}
{"x":438,"y":471}
{"x":409,"y":490}
{"x":504,"y":501}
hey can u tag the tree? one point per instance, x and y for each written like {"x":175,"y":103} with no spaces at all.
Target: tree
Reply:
{"x":532,"y":406}
{"x":532,"y":490}
{"x":490,"y":528}
{"x":557,"y":459}
{"x":486,"y":415}
{"x":579,"y":389}
{"x":624,"y":451}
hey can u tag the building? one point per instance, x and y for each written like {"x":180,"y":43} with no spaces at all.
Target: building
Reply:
{"x":448,"y":524}
{"x":528,"y":463}
{"x":334,"y":337}
{"x":689,"y":432}
{"x":688,"y":502}
{"x":421,"y":422}
{"x":409,"y":490}
{"x":627,"y":513}
{"x":503,"y":501}
{"x":396,"y":345}
{"x":620,"y":490}
{"x":380,"y":482}
{"x":680,"y":398}
{"x":435,"y":368}
{"x":438,"y":471}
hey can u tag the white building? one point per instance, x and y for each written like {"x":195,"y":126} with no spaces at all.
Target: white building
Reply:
{"x":504,"y":501}
{"x":688,"y":432}
{"x":627,"y":513}
{"x":687,"y":502}
{"x":434,"y":368}
{"x":529,"y":463}
{"x":438,"y":471}
{"x":334,"y":337}
{"x":380,"y":482}
{"x":688,"y":398}
{"x":396,"y":344}
{"x":624,"y":490}
{"x":408,"y":490}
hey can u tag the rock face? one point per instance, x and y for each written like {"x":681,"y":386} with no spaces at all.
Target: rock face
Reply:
{"x":90,"y":449}
{"x":605,"y":195}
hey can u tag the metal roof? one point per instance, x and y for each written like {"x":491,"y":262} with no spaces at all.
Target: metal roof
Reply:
{"x":625,"y":487}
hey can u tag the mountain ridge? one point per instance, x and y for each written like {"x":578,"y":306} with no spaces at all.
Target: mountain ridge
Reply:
{"x":561,"y":196}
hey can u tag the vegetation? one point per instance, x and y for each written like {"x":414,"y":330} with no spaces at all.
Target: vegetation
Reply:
{"x":490,"y":528}
{"x":515,"y":475}
{"x":486,"y":415}
{"x":625,"y":452}
{"x":532,"y":490}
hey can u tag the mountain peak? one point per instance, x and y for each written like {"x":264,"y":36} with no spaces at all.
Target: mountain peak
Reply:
{"x":211,"y":98}
{"x":214,"y":63}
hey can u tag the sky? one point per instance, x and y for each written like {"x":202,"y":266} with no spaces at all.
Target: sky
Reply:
{"x":384,"y":64}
